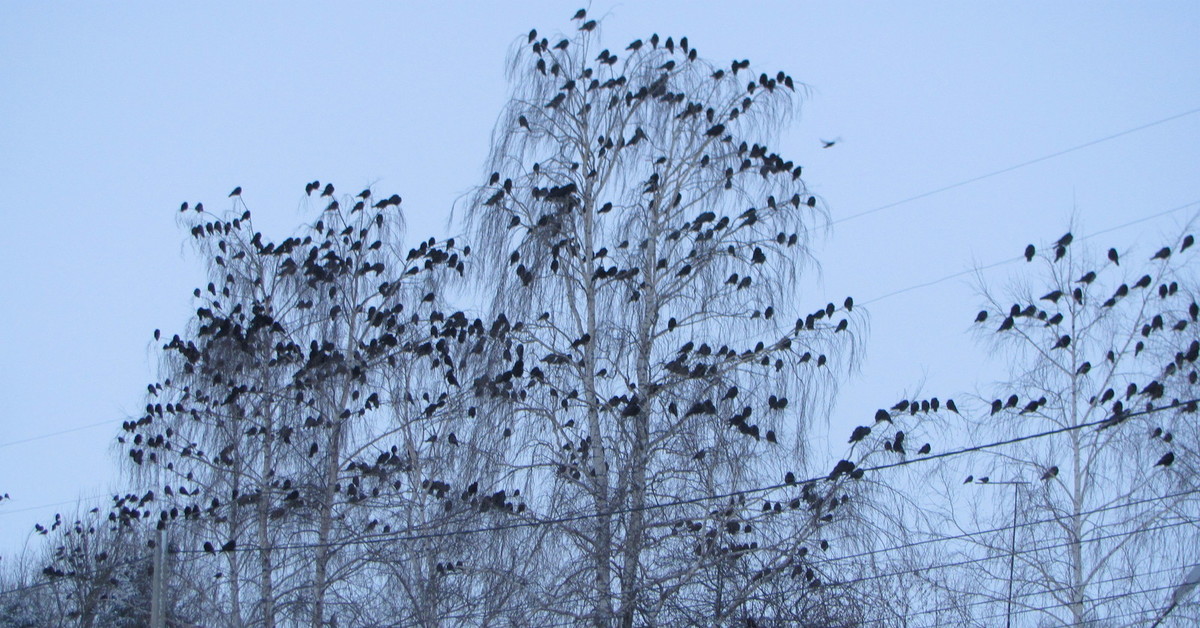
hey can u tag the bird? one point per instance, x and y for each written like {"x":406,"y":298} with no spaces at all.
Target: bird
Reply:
{"x":951,"y":407}
{"x":1088,"y":278}
{"x":328,"y":191}
{"x":1050,"y":473}
{"x":1166,"y":460}
{"x":970,"y":478}
{"x":1188,"y":241}
{"x":981,"y":316}
{"x":634,"y":45}
{"x":183,"y":207}
{"x":1065,"y":240}
{"x":924,"y":449}
{"x":1162,"y":253}
{"x":829,"y":143}
{"x":1006,"y":325}
{"x":588,"y":25}
{"x":1029,"y":253}
{"x":860,"y":433}
{"x":208,"y":548}
{"x":1114,"y":257}
{"x":580,"y":14}
{"x":229,"y":546}
{"x":236,"y":192}
{"x":789,"y":478}
{"x":882,"y":415}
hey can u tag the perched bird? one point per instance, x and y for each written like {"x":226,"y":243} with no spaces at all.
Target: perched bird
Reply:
{"x":1065,"y":240}
{"x":634,"y":45}
{"x":970,"y":478}
{"x":951,"y":407}
{"x":1166,"y":460}
{"x":1162,"y":253}
{"x":1029,"y":253}
{"x":1050,"y":473}
{"x":981,"y":316}
{"x":580,"y":14}
{"x":236,"y":192}
{"x":924,"y":449}
{"x":1088,"y":278}
{"x":328,"y":191}
{"x":588,"y":25}
{"x":1007,"y":324}
{"x":860,"y":433}
{"x":1188,"y":241}
{"x":183,"y":207}
{"x":882,"y":415}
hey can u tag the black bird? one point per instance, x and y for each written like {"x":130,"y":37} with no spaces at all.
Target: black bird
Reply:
{"x":1088,"y":278}
{"x":828,"y":143}
{"x":924,"y":449}
{"x":183,"y":207}
{"x":860,"y":433}
{"x":882,"y":415}
{"x":1059,"y":252}
{"x":715,"y":130}
{"x":1162,"y":253}
{"x":1188,"y":241}
{"x":1063,"y":342}
{"x":981,"y":316}
{"x":634,"y":45}
{"x":208,"y":547}
{"x":1052,"y":296}
{"x":230,"y":546}
{"x":328,"y":191}
{"x":789,"y":478}
{"x":532,"y":36}
{"x":580,"y":14}
{"x":588,"y":25}
{"x":849,"y":304}
{"x":1113,"y":257}
{"x":562,"y":45}
{"x":951,"y":407}
{"x":1166,"y":461}
{"x":970,"y":478}
{"x":1007,"y":324}
{"x":997,"y":405}
{"x":1029,"y":253}
{"x":1050,"y":473}
{"x":1065,"y":240}
{"x":236,"y":192}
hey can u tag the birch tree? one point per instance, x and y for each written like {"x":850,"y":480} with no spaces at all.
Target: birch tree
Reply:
{"x":648,"y":241}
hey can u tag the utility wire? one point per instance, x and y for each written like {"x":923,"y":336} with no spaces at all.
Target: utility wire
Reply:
{"x":1015,"y":167}
{"x":392,"y":537}
{"x":58,"y":433}
{"x":1018,"y":258}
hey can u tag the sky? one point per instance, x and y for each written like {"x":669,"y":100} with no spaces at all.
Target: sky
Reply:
{"x":111,"y":116}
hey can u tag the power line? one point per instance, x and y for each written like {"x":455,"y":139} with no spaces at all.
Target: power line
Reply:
{"x":391,"y":537}
{"x":1010,"y":260}
{"x":58,"y":433}
{"x":1015,"y":167}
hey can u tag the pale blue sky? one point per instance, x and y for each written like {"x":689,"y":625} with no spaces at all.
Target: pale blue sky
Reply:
{"x":110,"y":116}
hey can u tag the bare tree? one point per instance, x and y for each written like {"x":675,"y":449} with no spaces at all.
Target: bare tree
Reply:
{"x":1085,"y":523}
{"x":646,"y":242}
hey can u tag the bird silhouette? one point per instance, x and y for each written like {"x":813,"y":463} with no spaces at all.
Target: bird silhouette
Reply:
{"x":1188,"y":241}
{"x":1050,"y":473}
{"x":1167,"y":460}
{"x":981,"y":316}
{"x":860,"y":433}
{"x":1029,"y":253}
{"x":236,"y":192}
{"x":951,"y":407}
{"x":1114,"y":257}
{"x":1162,"y":253}
{"x":328,"y":191}
{"x":924,"y":449}
{"x":589,"y":25}
{"x":830,"y":143}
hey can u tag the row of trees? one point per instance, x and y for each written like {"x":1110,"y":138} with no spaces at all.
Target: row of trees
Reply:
{"x":594,"y":407}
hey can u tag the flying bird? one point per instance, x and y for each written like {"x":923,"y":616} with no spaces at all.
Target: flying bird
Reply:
{"x":830,"y":143}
